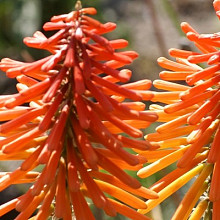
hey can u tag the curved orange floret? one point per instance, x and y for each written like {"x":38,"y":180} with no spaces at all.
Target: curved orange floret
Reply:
{"x":72,"y":128}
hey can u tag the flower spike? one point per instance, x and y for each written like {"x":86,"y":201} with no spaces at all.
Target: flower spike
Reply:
{"x":74,"y":123}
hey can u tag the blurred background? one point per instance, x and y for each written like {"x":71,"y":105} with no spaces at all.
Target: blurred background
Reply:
{"x":151,"y":27}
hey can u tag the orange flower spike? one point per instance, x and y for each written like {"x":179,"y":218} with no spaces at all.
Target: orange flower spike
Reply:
{"x":214,"y":193}
{"x":81,"y":208}
{"x":199,"y":210}
{"x":196,"y":146}
{"x":214,"y":152}
{"x":127,"y":211}
{"x":161,"y":163}
{"x":185,"y":206}
{"x":171,"y":188}
{"x":116,"y":171}
{"x":60,"y":190}
{"x":121,"y":195}
{"x":189,"y":102}
{"x":23,"y":119}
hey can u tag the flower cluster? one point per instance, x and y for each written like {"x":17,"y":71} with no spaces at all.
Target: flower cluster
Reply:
{"x":66,"y":120}
{"x":189,"y":133}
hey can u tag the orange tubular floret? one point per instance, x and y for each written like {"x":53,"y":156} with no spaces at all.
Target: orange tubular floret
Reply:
{"x":20,"y":143}
{"x":96,"y":194}
{"x":127,"y":211}
{"x":212,"y":105}
{"x":195,"y":147}
{"x":175,"y":76}
{"x":81,"y":208}
{"x":60,"y":190}
{"x":142,"y":191}
{"x":202,"y":74}
{"x":161,"y":163}
{"x":214,"y":193}
{"x":116,"y":89}
{"x":189,"y":102}
{"x":214,"y":152}
{"x":200,"y":87}
{"x":73,"y":179}
{"x":8,"y":114}
{"x":215,"y":212}
{"x":168,"y":135}
{"x":171,"y":143}
{"x":173,"y":123}
{"x":171,"y":188}
{"x":174,"y":66}
{"x":23,"y":119}
{"x":44,"y":211}
{"x":170,"y":86}
{"x":52,"y":165}
{"x":199,"y":210}
{"x":178,"y":172}
{"x":165,"y":96}
{"x":84,"y":144}
{"x":181,"y":53}
{"x":8,"y":206}
{"x":193,"y":194}
{"x":26,"y":213}
{"x":121,"y":195}
{"x":117,"y":172}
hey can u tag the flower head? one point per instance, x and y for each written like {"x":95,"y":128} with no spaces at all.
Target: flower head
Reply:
{"x":189,"y":129}
{"x":73,"y":123}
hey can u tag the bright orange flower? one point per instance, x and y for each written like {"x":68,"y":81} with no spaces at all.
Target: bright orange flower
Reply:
{"x":190,"y":128}
{"x":73,"y":123}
